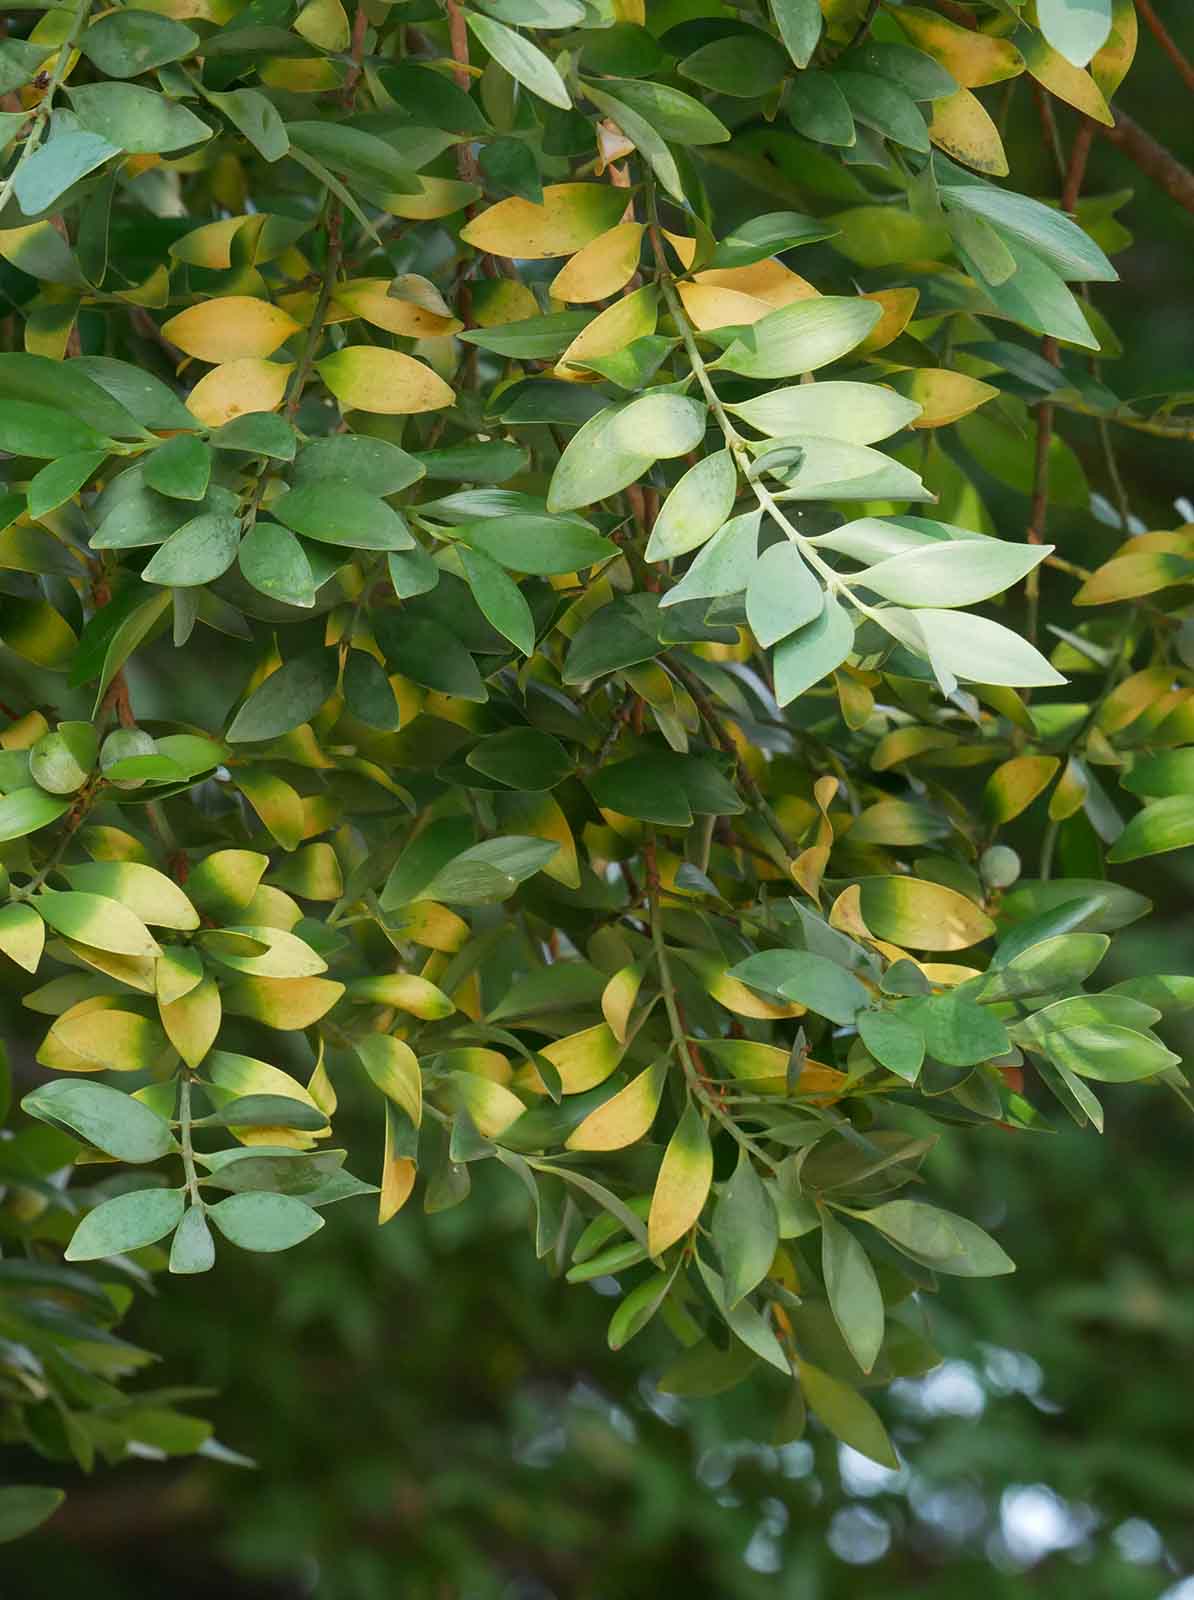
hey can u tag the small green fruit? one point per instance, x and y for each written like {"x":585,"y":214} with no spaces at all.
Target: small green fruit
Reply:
{"x":120,"y":745}
{"x":54,"y":767}
{"x":1000,"y":866}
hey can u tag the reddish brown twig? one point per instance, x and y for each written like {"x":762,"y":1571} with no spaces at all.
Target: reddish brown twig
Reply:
{"x":1153,"y":159}
{"x":1166,"y":40}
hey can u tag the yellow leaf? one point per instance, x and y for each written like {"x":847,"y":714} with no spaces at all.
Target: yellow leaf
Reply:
{"x":237,"y":388}
{"x":962,"y":128}
{"x":283,"y":1003}
{"x":210,"y":245}
{"x":733,"y":994}
{"x":765,"y":1068}
{"x":497,"y":301}
{"x":1110,"y":65}
{"x":764,"y":280}
{"x":538,"y":814}
{"x":364,"y":378}
{"x":1014,"y":785}
{"x":491,"y":1106}
{"x":710,"y":306}
{"x":1068,"y":82}
{"x":898,"y":307}
{"x":397,"y":1176}
{"x":302,"y":75}
{"x":921,"y":914}
{"x":230,"y":329}
{"x":571,"y":215}
{"x":625,"y":1117}
{"x":614,"y":328}
{"x":618,"y":997}
{"x":438,"y":197}
{"x":971,"y":58}
{"x":324,"y":23}
{"x":683,"y":1183}
{"x":107,"y":1041}
{"x":193,"y":1021}
{"x":585,"y":1059}
{"x":942,"y":395}
{"x":394,"y":1068}
{"x":684,"y":247}
{"x":369,"y":299}
{"x":428,"y":923}
{"x":404,"y":990}
{"x":603,"y":267}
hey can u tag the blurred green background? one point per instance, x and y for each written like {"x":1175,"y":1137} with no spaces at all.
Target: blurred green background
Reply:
{"x":433,"y":1418}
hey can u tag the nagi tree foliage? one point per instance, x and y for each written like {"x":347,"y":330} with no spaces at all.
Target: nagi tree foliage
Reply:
{"x":482,"y":623}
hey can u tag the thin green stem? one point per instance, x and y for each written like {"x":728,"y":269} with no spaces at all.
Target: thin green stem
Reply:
{"x":185,"y":1125}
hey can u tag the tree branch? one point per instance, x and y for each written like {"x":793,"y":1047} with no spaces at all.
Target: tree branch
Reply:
{"x":1153,"y":159}
{"x":1166,"y":40}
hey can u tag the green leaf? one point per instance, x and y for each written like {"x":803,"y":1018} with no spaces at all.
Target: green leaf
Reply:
{"x":367,"y":692}
{"x":799,"y":24}
{"x":744,"y":66}
{"x":541,"y":545}
{"x":953,"y":574}
{"x":853,"y":1291}
{"x":257,"y":118}
{"x":618,"y":445}
{"x":676,"y":116}
{"x":621,"y":634}
{"x":939,"y":1239}
{"x":270,"y":1111}
{"x":197,"y":553}
{"x":1049,"y":233}
{"x":894,"y":1044}
{"x":138,"y":120}
{"x":696,"y":508}
{"x":885,"y":106}
{"x":523,"y":60}
{"x":522,"y":758}
{"x":782,"y":594}
{"x":972,"y":648}
{"x":60,"y":480}
{"x":126,"y":1223}
{"x":745,"y":1231}
{"x":180,"y":468}
{"x":428,"y":654}
{"x":264,"y":1221}
{"x":800,"y":337}
{"x":857,"y":413}
{"x":24,"y":1507}
{"x":490,"y":871}
{"x":30,"y":429}
{"x":288,"y":697}
{"x":258,"y":433}
{"x":125,"y":44}
{"x":62,"y":161}
{"x":814,"y":651}
{"x":813,"y":980}
{"x":956,"y":1030}
{"x":362,"y":157}
{"x":25,"y":810}
{"x":275,"y":563}
{"x":500,"y":599}
{"x":192,"y":1249}
{"x":1164,"y":825}
{"x":666,"y":788}
{"x":107,"y":1118}
{"x":1077,"y":29}
{"x":339,"y":513}
{"x":818,"y":109}
{"x":847,"y":1415}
